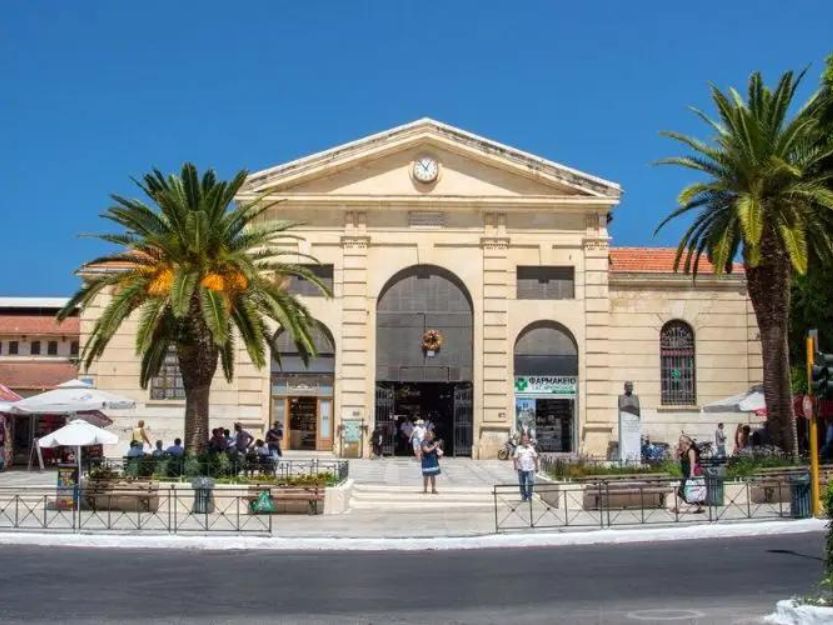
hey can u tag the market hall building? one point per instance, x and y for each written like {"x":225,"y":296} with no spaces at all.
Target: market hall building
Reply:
{"x":474,"y":285}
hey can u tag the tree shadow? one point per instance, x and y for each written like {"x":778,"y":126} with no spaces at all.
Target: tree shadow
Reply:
{"x":790,"y":552}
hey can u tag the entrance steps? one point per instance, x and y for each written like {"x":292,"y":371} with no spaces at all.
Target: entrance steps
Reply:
{"x":410,"y":497}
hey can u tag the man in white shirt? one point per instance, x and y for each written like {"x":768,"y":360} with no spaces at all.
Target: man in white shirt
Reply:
{"x":525,"y":460}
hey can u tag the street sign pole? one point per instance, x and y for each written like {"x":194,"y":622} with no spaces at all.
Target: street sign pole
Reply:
{"x":814,"y":441}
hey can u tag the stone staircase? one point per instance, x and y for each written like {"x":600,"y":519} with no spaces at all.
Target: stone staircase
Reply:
{"x":382,"y":497}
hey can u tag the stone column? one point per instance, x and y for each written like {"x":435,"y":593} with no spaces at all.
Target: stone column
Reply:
{"x":497,"y":386}
{"x":599,"y":400}
{"x":354,"y":371}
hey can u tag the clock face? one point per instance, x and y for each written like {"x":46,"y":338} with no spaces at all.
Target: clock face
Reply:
{"x":426,"y":169}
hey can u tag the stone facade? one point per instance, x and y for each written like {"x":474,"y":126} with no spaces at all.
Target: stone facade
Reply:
{"x":490,"y":210}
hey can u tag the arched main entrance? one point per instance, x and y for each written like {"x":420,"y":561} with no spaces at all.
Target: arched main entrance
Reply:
{"x":546,"y":383}
{"x":302,"y":394}
{"x":424,"y":358}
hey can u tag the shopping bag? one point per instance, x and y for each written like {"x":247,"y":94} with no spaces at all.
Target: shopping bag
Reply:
{"x":695,"y":490}
{"x":264,"y":504}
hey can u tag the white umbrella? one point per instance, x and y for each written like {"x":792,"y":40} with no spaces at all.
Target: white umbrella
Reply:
{"x":78,"y":434}
{"x":70,"y":397}
{"x":749,"y":401}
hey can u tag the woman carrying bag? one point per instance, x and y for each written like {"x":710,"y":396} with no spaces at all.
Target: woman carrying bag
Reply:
{"x":692,"y":488}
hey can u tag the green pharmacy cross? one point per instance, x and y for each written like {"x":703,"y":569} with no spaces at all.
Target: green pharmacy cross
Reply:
{"x":521,"y":384}
{"x":676,"y":374}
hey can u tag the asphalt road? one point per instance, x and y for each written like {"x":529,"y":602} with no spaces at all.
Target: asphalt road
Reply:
{"x":716,"y":581}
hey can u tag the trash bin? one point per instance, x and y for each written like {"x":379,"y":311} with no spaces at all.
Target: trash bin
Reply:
{"x":715,"y":477}
{"x":203,"y":495}
{"x":800,"y":496}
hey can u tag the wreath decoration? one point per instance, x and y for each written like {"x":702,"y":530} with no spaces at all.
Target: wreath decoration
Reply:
{"x":432,"y":341}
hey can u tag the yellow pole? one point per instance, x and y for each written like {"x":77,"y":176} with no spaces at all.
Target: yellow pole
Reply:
{"x":814,"y":441}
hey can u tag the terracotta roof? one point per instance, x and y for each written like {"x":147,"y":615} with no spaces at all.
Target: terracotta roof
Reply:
{"x":39,"y":325}
{"x":653,"y":260}
{"x":37,"y":376}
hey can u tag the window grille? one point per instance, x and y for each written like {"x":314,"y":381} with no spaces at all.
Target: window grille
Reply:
{"x":52,"y":348}
{"x":34,"y":348}
{"x":541,"y":282}
{"x":168,"y":383}
{"x":677,"y":365}
{"x":300,"y":286}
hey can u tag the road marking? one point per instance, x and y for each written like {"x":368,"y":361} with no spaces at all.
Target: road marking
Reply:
{"x":664,"y":615}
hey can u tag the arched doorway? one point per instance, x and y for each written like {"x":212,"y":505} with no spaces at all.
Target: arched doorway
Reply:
{"x":546,"y":384}
{"x":302,"y":394}
{"x":424,"y":358}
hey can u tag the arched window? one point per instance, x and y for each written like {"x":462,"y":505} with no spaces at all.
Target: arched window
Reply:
{"x":677,"y":364}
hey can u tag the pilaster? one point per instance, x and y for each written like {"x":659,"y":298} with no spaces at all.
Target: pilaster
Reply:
{"x":354,"y":370}
{"x":599,"y":401}
{"x":495,"y":348}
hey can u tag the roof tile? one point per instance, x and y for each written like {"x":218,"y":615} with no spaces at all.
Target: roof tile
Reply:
{"x":653,"y":260}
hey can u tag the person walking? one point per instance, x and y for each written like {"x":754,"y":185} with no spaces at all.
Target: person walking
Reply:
{"x":376,"y":438}
{"x":525,"y":460}
{"x":139,"y":435}
{"x":430,"y":458}
{"x":406,"y":428}
{"x":417,"y":436}
{"x":720,"y":441}
{"x":690,"y":467}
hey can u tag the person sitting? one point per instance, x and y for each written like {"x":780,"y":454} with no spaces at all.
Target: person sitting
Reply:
{"x":135,"y":450}
{"x":158,"y":452}
{"x":217,"y":443}
{"x":261,"y":449}
{"x":176,"y":450}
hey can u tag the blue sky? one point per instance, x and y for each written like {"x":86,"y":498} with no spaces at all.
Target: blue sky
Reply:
{"x":96,"y":92}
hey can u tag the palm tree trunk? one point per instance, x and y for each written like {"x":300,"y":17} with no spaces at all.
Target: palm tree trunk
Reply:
{"x":198,"y":357}
{"x":769,"y":291}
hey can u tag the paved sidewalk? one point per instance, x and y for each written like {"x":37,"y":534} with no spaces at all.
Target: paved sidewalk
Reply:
{"x":290,"y":542}
{"x":404,"y":472}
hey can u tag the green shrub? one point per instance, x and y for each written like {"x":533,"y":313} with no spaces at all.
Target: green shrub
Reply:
{"x":192,"y":467}
{"x":583,"y":467}
{"x":750,"y":461}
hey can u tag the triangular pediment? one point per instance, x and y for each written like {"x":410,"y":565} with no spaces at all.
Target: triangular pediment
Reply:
{"x":381,"y":165}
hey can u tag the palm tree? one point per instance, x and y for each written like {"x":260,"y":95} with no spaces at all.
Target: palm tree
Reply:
{"x":200,"y":273}
{"x":764,"y":197}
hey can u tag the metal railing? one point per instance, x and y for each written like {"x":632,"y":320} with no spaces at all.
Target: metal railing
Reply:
{"x":611,"y":503}
{"x":153,"y":508}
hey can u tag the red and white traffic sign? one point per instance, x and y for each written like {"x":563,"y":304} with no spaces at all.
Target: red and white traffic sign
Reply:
{"x":807,"y":407}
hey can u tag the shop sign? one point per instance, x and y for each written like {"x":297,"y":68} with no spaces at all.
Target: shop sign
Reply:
{"x":557,"y":385}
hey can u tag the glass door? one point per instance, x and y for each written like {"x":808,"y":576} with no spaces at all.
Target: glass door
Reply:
{"x":303,"y":422}
{"x":324,"y":441}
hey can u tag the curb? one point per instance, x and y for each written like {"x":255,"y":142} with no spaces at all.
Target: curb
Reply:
{"x":225,"y":542}
{"x":789,"y":613}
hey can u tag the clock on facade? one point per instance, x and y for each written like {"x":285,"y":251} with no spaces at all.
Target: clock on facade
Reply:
{"x":426,"y":169}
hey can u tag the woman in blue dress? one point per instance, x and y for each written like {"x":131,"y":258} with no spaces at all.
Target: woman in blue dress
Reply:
{"x":431,"y":454}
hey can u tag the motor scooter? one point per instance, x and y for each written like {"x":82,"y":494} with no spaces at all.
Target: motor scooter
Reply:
{"x":508,"y":449}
